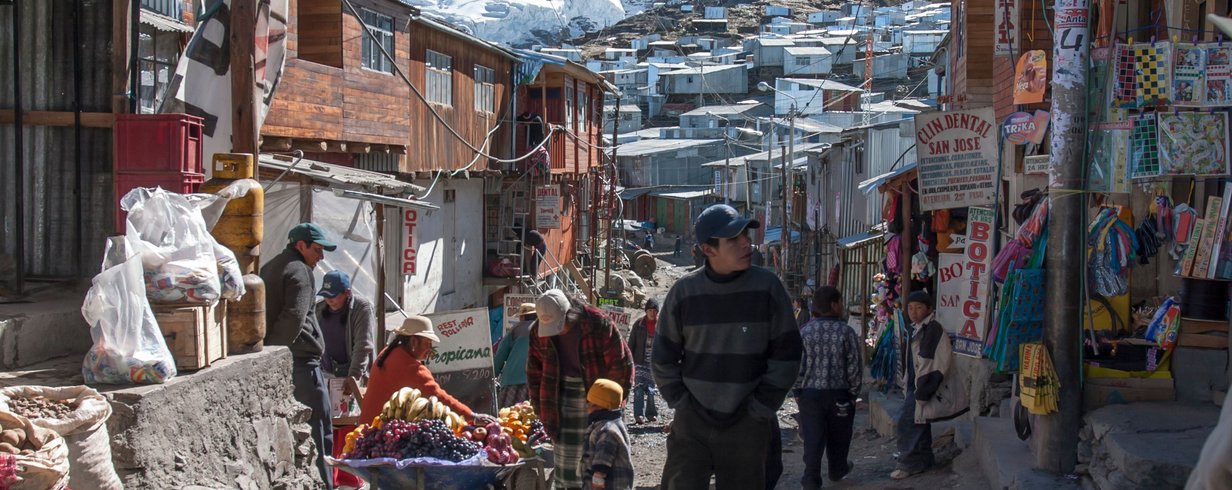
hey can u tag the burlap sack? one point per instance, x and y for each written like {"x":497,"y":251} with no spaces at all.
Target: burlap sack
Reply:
{"x":47,"y":468}
{"x":84,"y":431}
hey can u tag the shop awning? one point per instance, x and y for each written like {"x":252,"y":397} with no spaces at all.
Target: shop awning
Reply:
{"x":859,"y":239}
{"x":164,"y":23}
{"x":351,"y":182}
{"x":875,"y":182}
{"x":774,"y":234}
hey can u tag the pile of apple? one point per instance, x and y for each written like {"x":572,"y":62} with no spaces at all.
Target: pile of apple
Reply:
{"x":495,"y":441}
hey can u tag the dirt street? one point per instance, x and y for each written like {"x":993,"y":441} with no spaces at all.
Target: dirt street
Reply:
{"x":873,"y":455}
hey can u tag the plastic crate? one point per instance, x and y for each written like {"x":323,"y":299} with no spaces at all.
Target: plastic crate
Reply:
{"x":158,"y":143}
{"x":183,"y":183}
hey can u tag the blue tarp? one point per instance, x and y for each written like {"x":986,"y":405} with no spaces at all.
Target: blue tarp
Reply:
{"x":773,"y":235}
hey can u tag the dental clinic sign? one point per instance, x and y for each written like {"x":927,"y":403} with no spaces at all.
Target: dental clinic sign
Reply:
{"x":963,"y":305}
{"x":957,"y":152}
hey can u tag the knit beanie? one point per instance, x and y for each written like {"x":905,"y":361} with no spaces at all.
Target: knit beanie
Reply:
{"x":920,"y":297}
{"x":605,"y":393}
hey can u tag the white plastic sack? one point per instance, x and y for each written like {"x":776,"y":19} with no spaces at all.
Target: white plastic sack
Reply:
{"x":46,"y":469}
{"x":230,"y":273}
{"x":84,"y":430}
{"x":128,"y":346}
{"x":177,"y":250}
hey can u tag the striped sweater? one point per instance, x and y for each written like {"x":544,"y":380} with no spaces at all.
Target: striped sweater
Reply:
{"x":727,"y":345}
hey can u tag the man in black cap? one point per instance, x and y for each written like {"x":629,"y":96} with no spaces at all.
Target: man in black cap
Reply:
{"x":726,"y":352}
{"x":640,"y":338}
{"x":933,"y":393}
{"x":291,"y":321}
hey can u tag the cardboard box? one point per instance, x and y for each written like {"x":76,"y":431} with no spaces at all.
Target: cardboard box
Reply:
{"x":1099,"y":392}
{"x":195,"y":334}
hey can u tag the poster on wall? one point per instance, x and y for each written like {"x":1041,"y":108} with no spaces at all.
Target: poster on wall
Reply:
{"x":1193,"y":143}
{"x":957,"y":152}
{"x":547,"y":206}
{"x":1108,"y":170}
{"x":1187,"y":87}
{"x":463,"y":361}
{"x":622,"y":318}
{"x":1006,"y":18}
{"x":974,"y":304}
{"x":1031,"y":77}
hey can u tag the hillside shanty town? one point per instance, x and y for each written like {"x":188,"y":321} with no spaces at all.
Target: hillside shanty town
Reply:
{"x":615,"y":244}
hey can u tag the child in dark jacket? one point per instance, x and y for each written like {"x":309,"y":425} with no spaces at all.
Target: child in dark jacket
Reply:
{"x":607,"y":460}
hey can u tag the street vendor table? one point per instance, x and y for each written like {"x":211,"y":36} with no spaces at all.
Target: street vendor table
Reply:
{"x":415,"y":474}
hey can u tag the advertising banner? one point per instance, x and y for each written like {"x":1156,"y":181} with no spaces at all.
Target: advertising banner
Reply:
{"x":547,"y":206}
{"x":463,"y":361}
{"x":972,"y":298}
{"x":957,"y":152}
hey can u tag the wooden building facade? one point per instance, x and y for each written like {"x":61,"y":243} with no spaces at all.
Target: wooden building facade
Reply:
{"x":342,"y":100}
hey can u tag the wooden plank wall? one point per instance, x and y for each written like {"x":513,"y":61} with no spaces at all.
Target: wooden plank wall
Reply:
{"x":1003,"y":70}
{"x":349,"y":103}
{"x":432,"y":146}
{"x":973,"y":73}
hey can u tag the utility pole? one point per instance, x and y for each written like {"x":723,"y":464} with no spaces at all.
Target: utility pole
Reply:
{"x":791,"y":159}
{"x":1057,"y":449}
{"x":244,"y":132}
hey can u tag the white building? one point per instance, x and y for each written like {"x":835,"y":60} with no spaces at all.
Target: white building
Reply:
{"x":777,"y":11}
{"x":710,"y":79}
{"x":922,"y":43}
{"x":823,"y":17}
{"x":629,"y":118}
{"x":807,"y":61}
{"x":767,"y":51}
{"x":813,"y":96}
{"x":715,"y":13}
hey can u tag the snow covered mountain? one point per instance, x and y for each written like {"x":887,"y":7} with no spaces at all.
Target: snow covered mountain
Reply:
{"x":522,"y":23}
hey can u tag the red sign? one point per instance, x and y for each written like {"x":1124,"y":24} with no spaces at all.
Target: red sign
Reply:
{"x":410,"y":218}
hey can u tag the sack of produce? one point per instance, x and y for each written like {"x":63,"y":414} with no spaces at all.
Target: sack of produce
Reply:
{"x":79,"y":414}
{"x":31,"y":457}
{"x":128,"y":346}
{"x":177,"y":250}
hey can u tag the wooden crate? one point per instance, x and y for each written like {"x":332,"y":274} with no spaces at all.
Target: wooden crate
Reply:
{"x":1203,"y":334}
{"x":195,"y":334}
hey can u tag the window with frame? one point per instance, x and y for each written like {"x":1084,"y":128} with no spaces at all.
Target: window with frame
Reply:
{"x":803,"y":61}
{"x":438,"y":78}
{"x":583,"y":109}
{"x":382,"y":26}
{"x":158,"y":51}
{"x":569,"y":105}
{"x":485,"y":89}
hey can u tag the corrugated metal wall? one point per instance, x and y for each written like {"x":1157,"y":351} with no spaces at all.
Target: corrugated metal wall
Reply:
{"x":68,"y":213}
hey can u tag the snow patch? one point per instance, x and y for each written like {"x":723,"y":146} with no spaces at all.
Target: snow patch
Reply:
{"x":523,"y":23}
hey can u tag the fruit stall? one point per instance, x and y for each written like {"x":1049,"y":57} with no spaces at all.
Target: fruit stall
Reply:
{"x":417,"y":442}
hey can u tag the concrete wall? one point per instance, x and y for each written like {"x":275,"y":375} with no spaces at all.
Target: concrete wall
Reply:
{"x":813,"y":64}
{"x":449,"y":243}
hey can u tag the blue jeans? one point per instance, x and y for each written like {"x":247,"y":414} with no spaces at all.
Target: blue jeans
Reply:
{"x":644,"y":401}
{"x":915,"y":441}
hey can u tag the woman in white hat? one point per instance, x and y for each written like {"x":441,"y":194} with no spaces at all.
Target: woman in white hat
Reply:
{"x":400,"y":365}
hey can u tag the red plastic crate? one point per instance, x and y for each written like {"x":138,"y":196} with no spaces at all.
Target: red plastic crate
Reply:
{"x":158,"y":143}
{"x":184,"y":183}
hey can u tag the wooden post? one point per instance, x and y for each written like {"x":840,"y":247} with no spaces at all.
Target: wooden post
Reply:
{"x":904,"y":244}
{"x":243,"y":77}
{"x":121,"y":24}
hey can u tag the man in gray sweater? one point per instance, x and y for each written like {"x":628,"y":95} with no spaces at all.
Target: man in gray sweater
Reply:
{"x":726,"y":352}
{"x":291,"y":321}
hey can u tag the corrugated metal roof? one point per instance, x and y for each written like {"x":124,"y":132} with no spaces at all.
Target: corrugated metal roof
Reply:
{"x":723,"y":110}
{"x":631,"y":194}
{"x":859,"y":239}
{"x":343,"y":177}
{"x":806,"y":51}
{"x":702,"y":70}
{"x":824,"y":84}
{"x":875,"y":182}
{"x":163,"y":23}
{"x":649,"y":147}
{"x":772,"y":41}
{"x":683,"y":195}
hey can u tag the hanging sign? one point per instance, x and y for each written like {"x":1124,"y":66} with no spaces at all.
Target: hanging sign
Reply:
{"x":973,"y":298}
{"x":410,"y":219}
{"x":957,"y":152}
{"x":1021,"y":128}
{"x":1035,"y":165}
{"x":547,"y":206}
{"x":951,"y":280}
{"x":1031,"y":77}
{"x":622,"y":318}
{"x":463,"y":361}
{"x":512,"y":302}
{"x":1006,"y":18}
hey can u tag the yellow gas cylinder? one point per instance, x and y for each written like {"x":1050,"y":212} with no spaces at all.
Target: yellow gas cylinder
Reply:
{"x":242,"y":223}
{"x":246,"y":318}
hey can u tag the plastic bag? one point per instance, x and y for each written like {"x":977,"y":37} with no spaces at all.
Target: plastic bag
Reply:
{"x":128,"y":346}
{"x":230,"y":274}
{"x":177,"y":250}
{"x":84,"y":430}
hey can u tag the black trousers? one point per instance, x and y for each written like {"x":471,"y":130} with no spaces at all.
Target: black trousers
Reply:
{"x":915,"y":441}
{"x":827,"y":418}
{"x":774,"y":457}
{"x":311,"y":390}
{"x":735,"y":455}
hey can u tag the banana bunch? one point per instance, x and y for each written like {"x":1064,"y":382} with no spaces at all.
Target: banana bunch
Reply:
{"x":409,"y":404}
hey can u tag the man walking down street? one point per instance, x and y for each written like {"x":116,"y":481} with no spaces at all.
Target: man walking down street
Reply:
{"x":827,"y":388}
{"x":933,"y":393}
{"x":640,"y":338}
{"x":291,"y":321}
{"x":726,"y":353}
{"x":573,"y":346}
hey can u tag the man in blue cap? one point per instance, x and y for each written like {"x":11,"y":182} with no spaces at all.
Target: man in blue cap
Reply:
{"x":348,"y":322}
{"x":726,"y":352}
{"x":291,"y":321}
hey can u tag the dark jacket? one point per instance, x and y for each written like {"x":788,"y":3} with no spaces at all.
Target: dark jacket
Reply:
{"x":360,"y":334}
{"x":289,"y":318}
{"x":939,"y":393}
{"x":639,"y":341}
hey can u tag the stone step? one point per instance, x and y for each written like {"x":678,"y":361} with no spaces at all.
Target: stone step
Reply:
{"x":883,"y":413}
{"x":1146,"y":445}
{"x":1007,"y":461}
{"x":47,"y":327}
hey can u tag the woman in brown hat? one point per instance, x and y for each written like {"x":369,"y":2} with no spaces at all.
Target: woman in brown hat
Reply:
{"x":400,"y":365}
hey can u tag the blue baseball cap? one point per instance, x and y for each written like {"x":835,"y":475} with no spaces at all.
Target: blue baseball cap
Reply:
{"x":721,"y":221}
{"x":335,"y":283}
